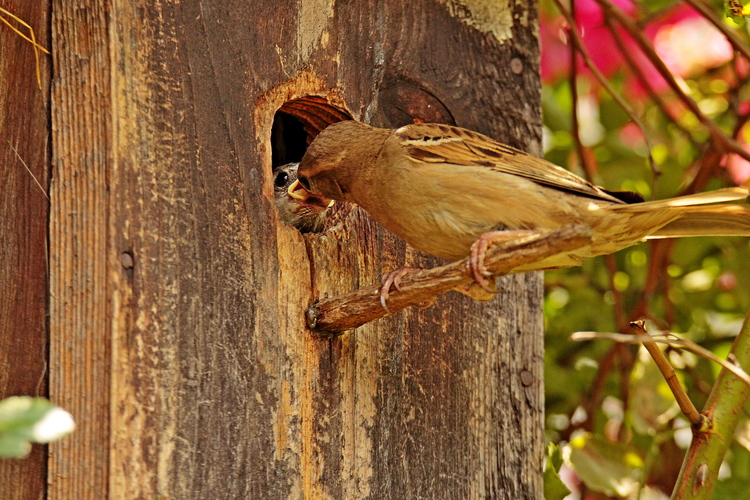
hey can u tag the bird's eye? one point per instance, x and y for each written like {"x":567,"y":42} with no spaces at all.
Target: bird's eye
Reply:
{"x":281,"y":180}
{"x":305,"y":183}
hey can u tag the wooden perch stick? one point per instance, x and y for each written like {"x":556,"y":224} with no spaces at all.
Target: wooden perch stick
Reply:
{"x":351,"y":310}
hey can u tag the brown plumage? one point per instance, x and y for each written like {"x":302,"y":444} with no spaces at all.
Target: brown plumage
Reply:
{"x":440,"y":188}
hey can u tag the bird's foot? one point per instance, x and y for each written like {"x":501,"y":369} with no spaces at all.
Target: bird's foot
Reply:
{"x":479,"y":248}
{"x":393,"y":279}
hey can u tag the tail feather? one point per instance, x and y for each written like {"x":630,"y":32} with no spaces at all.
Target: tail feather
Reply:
{"x":719,"y":220}
{"x":699,"y":214}
{"x":692,"y":200}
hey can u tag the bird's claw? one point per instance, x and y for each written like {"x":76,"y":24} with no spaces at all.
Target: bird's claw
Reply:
{"x":393,"y":279}
{"x":477,"y":268}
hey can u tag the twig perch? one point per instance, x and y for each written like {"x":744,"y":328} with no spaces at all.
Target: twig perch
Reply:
{"x":713,"y":434}
{"x":335,"y":315}
{"x":686,"y":405}
{"x":669,"y":339}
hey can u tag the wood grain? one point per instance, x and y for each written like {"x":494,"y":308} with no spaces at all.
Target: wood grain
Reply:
{"x":24,"y":156}
{"x":80,"y":256}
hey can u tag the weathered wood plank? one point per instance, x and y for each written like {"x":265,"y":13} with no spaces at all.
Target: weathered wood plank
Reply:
{"x":24,"y":115}
{"x":80,"y":256}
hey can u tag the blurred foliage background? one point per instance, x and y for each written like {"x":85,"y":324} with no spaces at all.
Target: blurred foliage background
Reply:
{"x":608,"y":407}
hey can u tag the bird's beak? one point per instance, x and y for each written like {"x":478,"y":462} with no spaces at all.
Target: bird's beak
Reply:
{"x":298,"y":192}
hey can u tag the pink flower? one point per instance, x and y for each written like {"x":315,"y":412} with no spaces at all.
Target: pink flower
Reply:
{"x":596,"y":37}
{"x":691,"y":44}
{"x":739,"y":168}
{"x":683,"y":38}
{"x":727,"y":281}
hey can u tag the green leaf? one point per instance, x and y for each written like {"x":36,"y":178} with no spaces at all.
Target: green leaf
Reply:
{"x":738,"y":483}
{"x":13,"y":446}
{"x":25,"y":419}
{"x":20,"y":413}
{"x":554,"y":488}
{"x":611,"y":468}
{"x":736,"y":11}
{"x":554,"y":456}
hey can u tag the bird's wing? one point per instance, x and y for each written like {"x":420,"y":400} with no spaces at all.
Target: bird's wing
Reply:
{"x":435,"y":143}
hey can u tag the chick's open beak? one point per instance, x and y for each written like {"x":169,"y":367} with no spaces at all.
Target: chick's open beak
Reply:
{"x":298,"y":192}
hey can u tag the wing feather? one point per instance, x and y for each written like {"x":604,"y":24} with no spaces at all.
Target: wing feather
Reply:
{"x":435,"y":143}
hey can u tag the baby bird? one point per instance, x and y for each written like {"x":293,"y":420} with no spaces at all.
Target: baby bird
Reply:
{"x":307,"y":215}
{"x":451,"y":192}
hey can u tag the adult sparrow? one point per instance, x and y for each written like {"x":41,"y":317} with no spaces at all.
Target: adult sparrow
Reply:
{"x":451,"y":192}
{"x":309,"y":214}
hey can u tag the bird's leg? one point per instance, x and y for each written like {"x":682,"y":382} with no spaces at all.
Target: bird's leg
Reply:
{"x":393,"y":279}
{"x":476,"y":266}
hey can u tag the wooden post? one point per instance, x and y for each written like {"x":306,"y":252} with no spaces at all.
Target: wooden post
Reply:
{"x":24,"y":180}
{"x":177,"y":323}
